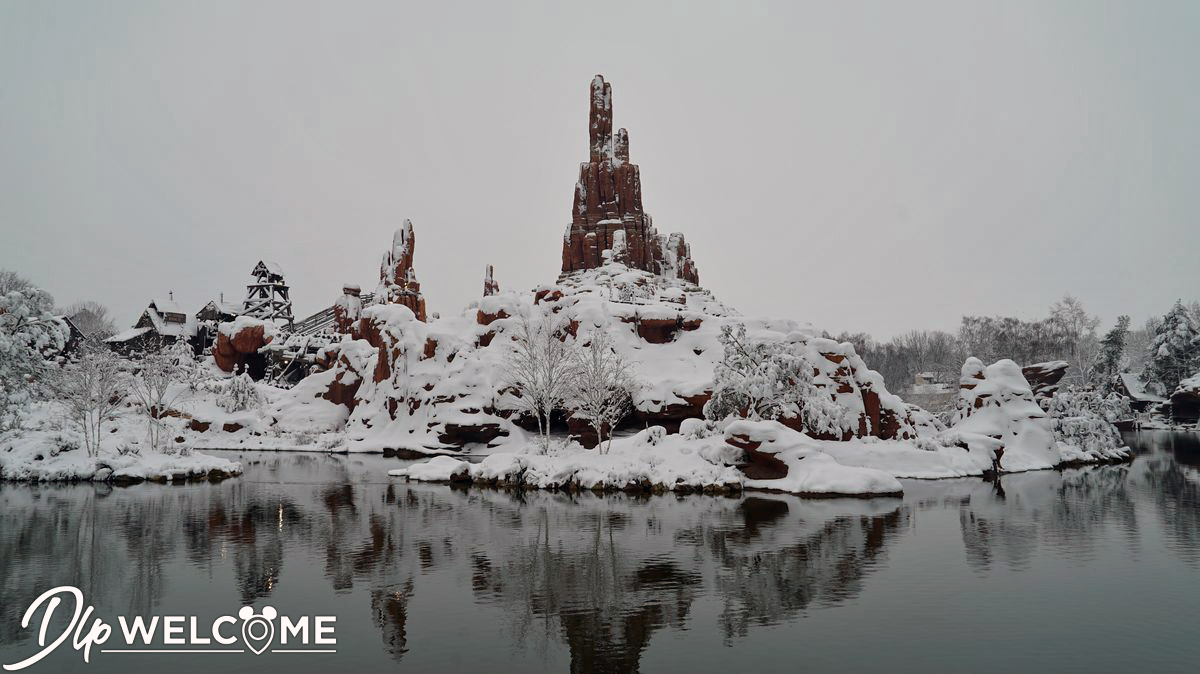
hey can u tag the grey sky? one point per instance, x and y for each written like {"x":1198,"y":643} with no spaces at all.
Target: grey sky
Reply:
{"x":870,"y":166}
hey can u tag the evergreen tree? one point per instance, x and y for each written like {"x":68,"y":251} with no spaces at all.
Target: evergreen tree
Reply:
{"x":1175,"y":351}
{"x":1112,"y":351}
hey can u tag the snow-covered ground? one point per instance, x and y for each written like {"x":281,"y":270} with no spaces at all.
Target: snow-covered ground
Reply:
{"x":399,"y":384}
{"x":703,"y":457}
{"x":45,"y":448}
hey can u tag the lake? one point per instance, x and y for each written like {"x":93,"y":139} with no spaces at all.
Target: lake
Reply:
{"x":1094,"y":569}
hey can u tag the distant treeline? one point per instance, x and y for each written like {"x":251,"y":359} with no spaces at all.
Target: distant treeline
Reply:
{"x":1162,"y":352}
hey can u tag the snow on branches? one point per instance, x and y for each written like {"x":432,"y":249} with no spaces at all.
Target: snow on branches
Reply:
{"x":29,"y":336}
{"x":769,"y":380}
{"x":539,"y":368}
{"x":601,"y":380}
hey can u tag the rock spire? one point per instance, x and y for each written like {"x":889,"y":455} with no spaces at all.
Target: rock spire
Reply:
{"x":608,"y":206}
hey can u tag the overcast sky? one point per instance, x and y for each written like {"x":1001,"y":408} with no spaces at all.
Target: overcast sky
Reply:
{"x":860,"y":166}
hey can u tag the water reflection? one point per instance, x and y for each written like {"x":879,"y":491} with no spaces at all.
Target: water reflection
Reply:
{"x":595,"y":578}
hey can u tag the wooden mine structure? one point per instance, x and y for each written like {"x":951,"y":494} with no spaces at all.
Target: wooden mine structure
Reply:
{"x":267,"y":297}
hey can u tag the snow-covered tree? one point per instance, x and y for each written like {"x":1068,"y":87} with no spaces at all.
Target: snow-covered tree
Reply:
{"x":768,"y":380}
{"x":29,"y":334}
{"x":539,"y":368}
{"x":993,"y":338}
{"x":92,"y":388}
{"x":1077,"y":329}
{"x":1175,"y":351}
{"x":1084,"y":419}
{"x":1112,"y":352}
{"x":11,"y":280}
{"x":1137,"y":346}
{"x":156,"y":386}
{"x":238,"y":393}
{"x":601,"y":383}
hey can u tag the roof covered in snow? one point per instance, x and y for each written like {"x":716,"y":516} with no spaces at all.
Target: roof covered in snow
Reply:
{"x":167,"y":306}
{"x":1137,"y":389}
{"x":132,"y":333}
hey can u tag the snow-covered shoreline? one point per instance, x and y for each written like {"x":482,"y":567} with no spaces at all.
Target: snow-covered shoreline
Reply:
{"x":45,"y":450}
{"x":703,"y":459}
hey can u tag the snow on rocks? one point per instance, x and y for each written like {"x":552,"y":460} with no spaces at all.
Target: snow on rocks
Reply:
{"x":440,"y":386}
{"x":238,"y":342}
{"x":653,"y":460}
{"x":999,"y":417}
{"x":802,"y":467}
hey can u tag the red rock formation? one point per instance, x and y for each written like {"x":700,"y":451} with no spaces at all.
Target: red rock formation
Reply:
{"x":239,"y":352}
{"x":347,"y":309}
{"x":397,"y":279}
{"x":1044,"y":378}
{"x":608,"y":213}
{"x":490,"y":287}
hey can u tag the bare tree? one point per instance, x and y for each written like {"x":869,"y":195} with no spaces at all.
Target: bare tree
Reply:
{"x":539,"y":368}
{"x":601,"y":386}
{"x":11,"y":280}
{"x":92,"y":319}
{"x":92,"y":388}
{"x":157,"y":385}
{"x":1078,"y":329}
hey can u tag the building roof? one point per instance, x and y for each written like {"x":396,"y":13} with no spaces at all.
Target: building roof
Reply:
{"x":129,"y":334}
{"x":167,"y":306}
{"x":1137,"y":390}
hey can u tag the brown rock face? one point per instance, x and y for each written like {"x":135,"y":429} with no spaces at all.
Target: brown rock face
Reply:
{"x":347,"y":309}
{"x":397,"y":279}
{"x":1043,"y":378}
{"x":757,"y":465}
{"x":240,"y":352}
{"x":608,"y":213}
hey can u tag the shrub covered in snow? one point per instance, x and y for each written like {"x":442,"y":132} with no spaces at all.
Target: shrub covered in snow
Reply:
{"x":238,"y":393}
{"x":1083,"y":419}
{"x":29,"y":334}
{"x":767,"y":380}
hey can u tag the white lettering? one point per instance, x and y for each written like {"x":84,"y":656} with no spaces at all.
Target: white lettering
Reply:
{"x":138,"y":627}
{"x":225,"y":619}
{"x":320,"y":629}
{"x":299,"y":628}
{"x":173,"y":624}
{"x":54,"y":602}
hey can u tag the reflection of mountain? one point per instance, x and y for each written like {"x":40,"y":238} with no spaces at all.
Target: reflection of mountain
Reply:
{"x":582,"y":570}
{"x":389,"y":609}
{"x":783,"y":559}
{"x":596,"y":576}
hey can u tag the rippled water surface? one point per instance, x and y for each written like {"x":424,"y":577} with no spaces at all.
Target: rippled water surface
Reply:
{"x":1086,"y":570}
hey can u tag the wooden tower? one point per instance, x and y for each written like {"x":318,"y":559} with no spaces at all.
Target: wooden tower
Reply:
{"x":267,"y":297}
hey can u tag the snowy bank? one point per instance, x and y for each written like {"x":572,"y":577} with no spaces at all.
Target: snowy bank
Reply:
{"x":699,"y":459}
{"x":45,"y":451}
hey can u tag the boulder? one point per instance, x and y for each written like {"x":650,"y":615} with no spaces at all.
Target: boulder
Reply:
{"x":237,"y":346}
{"x":1043,"y":378}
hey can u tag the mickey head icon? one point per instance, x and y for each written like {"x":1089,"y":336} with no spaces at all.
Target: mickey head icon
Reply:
{"x":258,"y":630}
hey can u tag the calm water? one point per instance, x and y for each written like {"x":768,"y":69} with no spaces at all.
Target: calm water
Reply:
{"x":1086,"y":570}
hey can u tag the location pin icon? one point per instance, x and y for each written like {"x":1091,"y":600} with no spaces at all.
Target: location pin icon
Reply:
{"x":258,"y":631}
